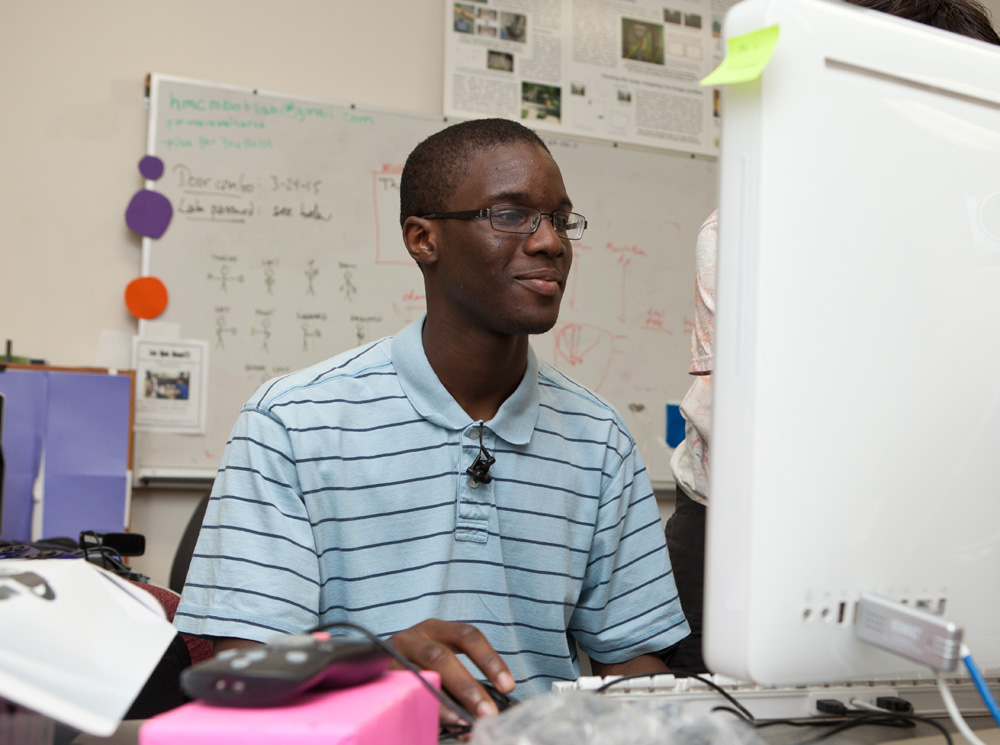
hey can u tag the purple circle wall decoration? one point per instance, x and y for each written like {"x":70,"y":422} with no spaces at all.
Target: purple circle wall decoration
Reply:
{"x":149,"y":213}
{"x":151,"y":167}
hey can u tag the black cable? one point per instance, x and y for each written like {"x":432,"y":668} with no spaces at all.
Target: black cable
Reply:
{"x":390,"y":650}
{"x":111,"y":558}
{"x":98,"y":544}
{"x":451,"y":730}
{"x":847,"y":716}
{"x":854,"y":718}
{"x":809,"y":722}
{"x":883,"y":720}
{"x":847,"y":720}
{"x":738,"y":714}
{"x":113,"y":561}
{"x":741,"y":709}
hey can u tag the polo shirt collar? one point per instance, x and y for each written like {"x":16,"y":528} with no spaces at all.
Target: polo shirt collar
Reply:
{"x":514,"y":422}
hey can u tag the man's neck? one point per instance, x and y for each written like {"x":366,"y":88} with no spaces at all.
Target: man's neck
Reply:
{"x":479,"y":370}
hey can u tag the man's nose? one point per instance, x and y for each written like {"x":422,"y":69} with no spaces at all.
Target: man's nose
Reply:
{"x":545,"y":239}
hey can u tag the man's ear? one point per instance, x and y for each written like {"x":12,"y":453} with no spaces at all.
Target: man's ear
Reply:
{"x":421,"y":238}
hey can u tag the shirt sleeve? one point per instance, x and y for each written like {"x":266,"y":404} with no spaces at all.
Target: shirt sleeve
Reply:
{"x":254,"y":572}
{"x":629,"y":604}
{"x":706,"y":252}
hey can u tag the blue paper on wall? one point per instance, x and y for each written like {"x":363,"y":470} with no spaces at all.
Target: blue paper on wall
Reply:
{"x":675,"y":425}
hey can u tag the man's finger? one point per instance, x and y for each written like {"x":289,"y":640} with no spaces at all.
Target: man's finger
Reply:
{"x":470,"y":641}
{"x":432,"y":645}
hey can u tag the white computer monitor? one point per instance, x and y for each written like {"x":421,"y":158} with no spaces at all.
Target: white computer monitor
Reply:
{"x":856,"y":442}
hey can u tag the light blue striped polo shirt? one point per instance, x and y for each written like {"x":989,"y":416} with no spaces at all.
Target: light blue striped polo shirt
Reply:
{"x":342,"y":495}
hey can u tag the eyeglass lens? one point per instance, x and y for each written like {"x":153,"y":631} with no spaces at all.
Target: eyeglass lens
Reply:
{"x":517,"y":219}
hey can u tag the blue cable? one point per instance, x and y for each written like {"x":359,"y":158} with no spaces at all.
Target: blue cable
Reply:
{"x":980,"y":681}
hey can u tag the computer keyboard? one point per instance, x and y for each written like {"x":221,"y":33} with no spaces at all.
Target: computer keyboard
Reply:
{"x":798,"y":702}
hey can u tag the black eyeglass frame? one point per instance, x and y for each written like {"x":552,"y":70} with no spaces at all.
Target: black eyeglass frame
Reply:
{"x":488,"y":212}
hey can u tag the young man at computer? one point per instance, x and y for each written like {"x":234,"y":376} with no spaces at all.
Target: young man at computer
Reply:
{"x":685,"y":529}
{"x":445,"y":488}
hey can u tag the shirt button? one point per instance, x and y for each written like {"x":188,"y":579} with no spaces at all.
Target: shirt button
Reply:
{"x":474,"y":434}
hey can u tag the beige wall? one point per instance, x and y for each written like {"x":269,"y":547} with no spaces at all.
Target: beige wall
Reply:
{"x":73,"y":130}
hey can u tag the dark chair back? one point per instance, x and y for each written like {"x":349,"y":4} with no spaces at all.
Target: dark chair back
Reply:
{"x":182,"y":559}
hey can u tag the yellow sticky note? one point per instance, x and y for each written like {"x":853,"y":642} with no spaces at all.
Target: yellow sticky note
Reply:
{"x":746,"y":57}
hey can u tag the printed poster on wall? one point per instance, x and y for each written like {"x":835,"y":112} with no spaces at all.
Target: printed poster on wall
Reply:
{"x":624,"y":71}
{"x":170,"y":378}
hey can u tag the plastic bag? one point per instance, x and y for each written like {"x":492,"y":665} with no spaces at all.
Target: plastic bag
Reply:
{"x":582,"y":718}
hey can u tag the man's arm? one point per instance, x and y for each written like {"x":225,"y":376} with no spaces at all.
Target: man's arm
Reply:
{"x":221,"y":644}
{"x":434,"y":645}
{"x":643,"y":664}
{"x":629,"y":606}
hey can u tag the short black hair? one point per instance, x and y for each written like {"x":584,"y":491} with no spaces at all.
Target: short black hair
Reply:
{"x":438,"y":165}
{"x":966,"y":17}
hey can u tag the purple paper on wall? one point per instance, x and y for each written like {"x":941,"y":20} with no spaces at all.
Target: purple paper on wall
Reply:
{"x":24,"y":425}
{"x":86,"y":453}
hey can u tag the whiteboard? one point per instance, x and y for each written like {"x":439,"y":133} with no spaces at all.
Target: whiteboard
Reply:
{"x":285,"y":248}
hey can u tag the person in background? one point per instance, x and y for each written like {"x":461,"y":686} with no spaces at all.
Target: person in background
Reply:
{"x":685,"y":530}
{"x":444,"y":488}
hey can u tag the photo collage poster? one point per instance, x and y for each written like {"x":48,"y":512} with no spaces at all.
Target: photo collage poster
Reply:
{"x":627,"y":72}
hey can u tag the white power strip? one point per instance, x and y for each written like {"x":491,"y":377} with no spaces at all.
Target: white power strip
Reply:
{"x":795,"y":702}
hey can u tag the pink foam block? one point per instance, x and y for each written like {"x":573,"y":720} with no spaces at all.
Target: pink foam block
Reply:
{"x":395,"y":708}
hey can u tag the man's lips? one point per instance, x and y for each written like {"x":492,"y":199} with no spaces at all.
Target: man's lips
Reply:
{"x":544,"y":282}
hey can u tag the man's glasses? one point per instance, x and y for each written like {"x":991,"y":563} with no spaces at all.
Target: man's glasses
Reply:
{"x":512,"y":218}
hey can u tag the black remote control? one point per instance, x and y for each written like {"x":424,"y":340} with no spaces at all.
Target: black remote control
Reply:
{"x":274,"y":673}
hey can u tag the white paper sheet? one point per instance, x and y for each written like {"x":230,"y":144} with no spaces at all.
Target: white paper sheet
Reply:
{"x":77,"y":643}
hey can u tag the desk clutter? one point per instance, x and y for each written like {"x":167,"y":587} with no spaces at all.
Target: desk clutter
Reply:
{"x":917,"y":695}
{"x":77,"y":643}
{"x":88,"y":647}
{"x":278,"y":672}
{"x":393,"y":708}
{"x":107,"y":550}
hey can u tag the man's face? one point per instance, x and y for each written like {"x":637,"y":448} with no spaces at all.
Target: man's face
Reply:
{"x":505,"y":283}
